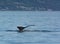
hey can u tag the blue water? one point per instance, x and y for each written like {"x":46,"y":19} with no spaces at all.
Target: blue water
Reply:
{"x":43,"y":20}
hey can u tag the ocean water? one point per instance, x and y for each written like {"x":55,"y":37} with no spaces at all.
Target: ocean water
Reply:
{"x":43,"y":20}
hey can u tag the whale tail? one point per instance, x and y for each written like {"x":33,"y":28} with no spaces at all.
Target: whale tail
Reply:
{"x":21,"y":28}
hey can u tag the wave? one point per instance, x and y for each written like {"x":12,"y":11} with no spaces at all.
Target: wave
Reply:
{"x":29,"y":31}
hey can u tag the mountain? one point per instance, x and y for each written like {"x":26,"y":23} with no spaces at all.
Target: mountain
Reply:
{"x":30,"y":5}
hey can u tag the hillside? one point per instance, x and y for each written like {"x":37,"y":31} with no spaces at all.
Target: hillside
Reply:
{"x":30,"y":5}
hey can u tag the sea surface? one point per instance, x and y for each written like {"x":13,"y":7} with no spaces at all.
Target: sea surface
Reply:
{"x":42,"y":20}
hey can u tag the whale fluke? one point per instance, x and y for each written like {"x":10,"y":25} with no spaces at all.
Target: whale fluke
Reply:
{"x":21,"y":28}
